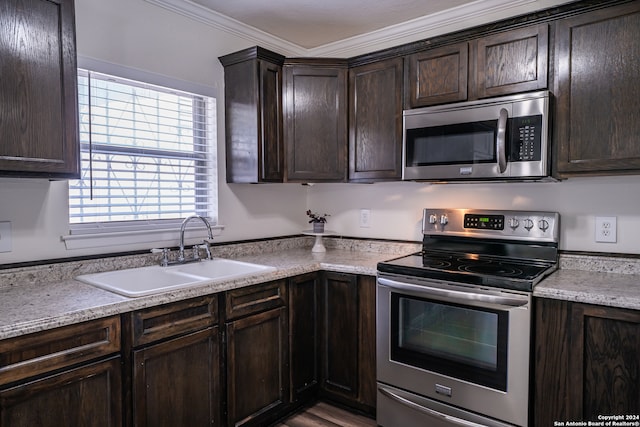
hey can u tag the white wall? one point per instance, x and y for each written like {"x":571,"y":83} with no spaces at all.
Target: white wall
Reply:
{"x":139,"y":35}
{"x":396,"y":208}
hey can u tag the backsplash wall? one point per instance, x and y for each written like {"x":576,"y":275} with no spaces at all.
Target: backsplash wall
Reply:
{"x":396,"y":208}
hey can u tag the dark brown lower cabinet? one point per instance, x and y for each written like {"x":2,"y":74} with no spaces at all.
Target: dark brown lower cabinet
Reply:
{"x":176,"y":382}
{"x":587,"y":362}
{"x":86,"y":396}
{"x":173,"y":364}
{"x":303,"y":337}
{"x":68,"y":376}
{"x":348,"y":340}
{"x":257,"y":354}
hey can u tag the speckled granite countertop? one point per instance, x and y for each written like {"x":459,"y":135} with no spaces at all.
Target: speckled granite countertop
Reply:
{"x":611,"y":289}
{"x":39,"y":298}
{"x":610,"y":281}
{"x":32,"y":301}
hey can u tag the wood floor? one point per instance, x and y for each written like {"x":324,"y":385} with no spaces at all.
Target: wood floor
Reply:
{"x":325,"y":415}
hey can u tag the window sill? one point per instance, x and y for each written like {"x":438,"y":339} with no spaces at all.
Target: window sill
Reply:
{"x":161,"y":237}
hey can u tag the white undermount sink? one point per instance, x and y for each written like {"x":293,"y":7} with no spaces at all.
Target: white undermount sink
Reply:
{"x":137,"y":282}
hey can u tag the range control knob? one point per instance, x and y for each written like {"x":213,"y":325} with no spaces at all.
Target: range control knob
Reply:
{"x":528,"y":224}
{"x":543,"y":224}
{"x":443,"y":219}
{"x":433,"y":219}
{"x":514,"y":223}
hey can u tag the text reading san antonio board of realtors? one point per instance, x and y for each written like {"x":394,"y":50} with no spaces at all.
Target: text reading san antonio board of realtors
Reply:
{"x":603,"y":421}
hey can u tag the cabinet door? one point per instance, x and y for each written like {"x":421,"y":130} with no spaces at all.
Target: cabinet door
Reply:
{"x":315,"y":123}
{"x":270,"y":148}
{"x":437,"y":76}
{"x":375,"y":121}
{"x":86,"y":396}
{"x":176,"y":383}
{"x":587,"y":362}
{"x":604,"y":362}
{"x":551,"y":362}
{"x":510,"y":62}
{"x":348,"y":343}
{"x":303,"y":337}
{"x":253,"y":116}
{"x":598,"y":92}
{"x":340,"y":335}
{"x":38,"y":89}
{"x":257,"y":369}
{"x":367,"y":343}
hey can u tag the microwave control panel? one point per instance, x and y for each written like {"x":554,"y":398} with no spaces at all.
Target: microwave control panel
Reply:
{"x":526,"y":134}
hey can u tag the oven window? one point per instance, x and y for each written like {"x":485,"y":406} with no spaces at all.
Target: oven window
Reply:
{"x":466,"y":143}
{"x":456,"y":340}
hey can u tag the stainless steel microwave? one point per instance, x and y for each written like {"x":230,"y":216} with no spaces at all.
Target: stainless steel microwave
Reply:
{"x":504,"y":138}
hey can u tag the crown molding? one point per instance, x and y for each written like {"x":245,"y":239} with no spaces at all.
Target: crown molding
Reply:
{"x":457,"y":18}
{"x":229,"y":25}
{"x":447,"y":21}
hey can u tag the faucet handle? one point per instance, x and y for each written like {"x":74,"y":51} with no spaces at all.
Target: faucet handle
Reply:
{"x":206,"y":245}
{"x":165,"y":255}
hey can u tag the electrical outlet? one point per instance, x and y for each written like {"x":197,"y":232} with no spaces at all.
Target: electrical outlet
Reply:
{"x":606,"y":229}
{"x":365,"y":218}
{"x":5,"y":236}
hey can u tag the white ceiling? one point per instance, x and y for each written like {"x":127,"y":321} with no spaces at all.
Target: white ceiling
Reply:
{"x":346,"y":27}
{"x":313,"y":23}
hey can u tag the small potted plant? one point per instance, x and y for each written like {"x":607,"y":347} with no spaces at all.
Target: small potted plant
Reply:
{"x":318,"y":221}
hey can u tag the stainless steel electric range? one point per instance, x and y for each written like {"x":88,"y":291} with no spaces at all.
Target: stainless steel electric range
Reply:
{"x":454,"y":320}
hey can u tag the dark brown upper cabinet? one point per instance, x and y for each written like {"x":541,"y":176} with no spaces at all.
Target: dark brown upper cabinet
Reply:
{"x":315,"y":117}
{"x":598,"y":92}
{"x":253,"y":116}
{"x":498,"y":64}
{"x":38,"y":89}
{"x":437,"y":76}
{"x":509,"y":62}
{"x":375,"y":121}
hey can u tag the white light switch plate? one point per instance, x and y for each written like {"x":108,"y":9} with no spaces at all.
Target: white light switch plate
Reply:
{"x":5,"y":236}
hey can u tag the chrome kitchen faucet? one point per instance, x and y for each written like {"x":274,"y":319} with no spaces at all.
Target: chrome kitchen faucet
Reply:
{"x":196,"y":255}
{"x":205,"y":245}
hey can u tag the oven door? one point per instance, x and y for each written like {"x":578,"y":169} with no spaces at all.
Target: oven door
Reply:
{"x":464,"y":346}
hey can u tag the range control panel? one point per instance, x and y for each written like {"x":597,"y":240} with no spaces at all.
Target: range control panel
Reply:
{"x":490,"y":222}
{"x":515,"y":225}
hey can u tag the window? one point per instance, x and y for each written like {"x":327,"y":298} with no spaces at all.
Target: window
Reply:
{"x":148,"y":156}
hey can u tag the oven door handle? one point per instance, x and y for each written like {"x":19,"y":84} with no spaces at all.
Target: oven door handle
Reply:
{"x":450,"y":293}
{"x":427,"y":411}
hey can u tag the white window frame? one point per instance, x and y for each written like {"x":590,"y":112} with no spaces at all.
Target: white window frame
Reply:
{"x":157,"y":233}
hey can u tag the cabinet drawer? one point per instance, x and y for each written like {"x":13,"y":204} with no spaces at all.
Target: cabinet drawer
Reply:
{"x":35,"y":354}
{"x":156,"y":323}
{"x":88,"y":395}
{"x":254,"y":299}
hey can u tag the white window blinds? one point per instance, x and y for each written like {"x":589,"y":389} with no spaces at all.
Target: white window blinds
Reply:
{"x":148,"y":153}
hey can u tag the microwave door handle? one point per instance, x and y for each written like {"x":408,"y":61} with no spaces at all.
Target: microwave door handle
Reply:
{"x":501,"y":140}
